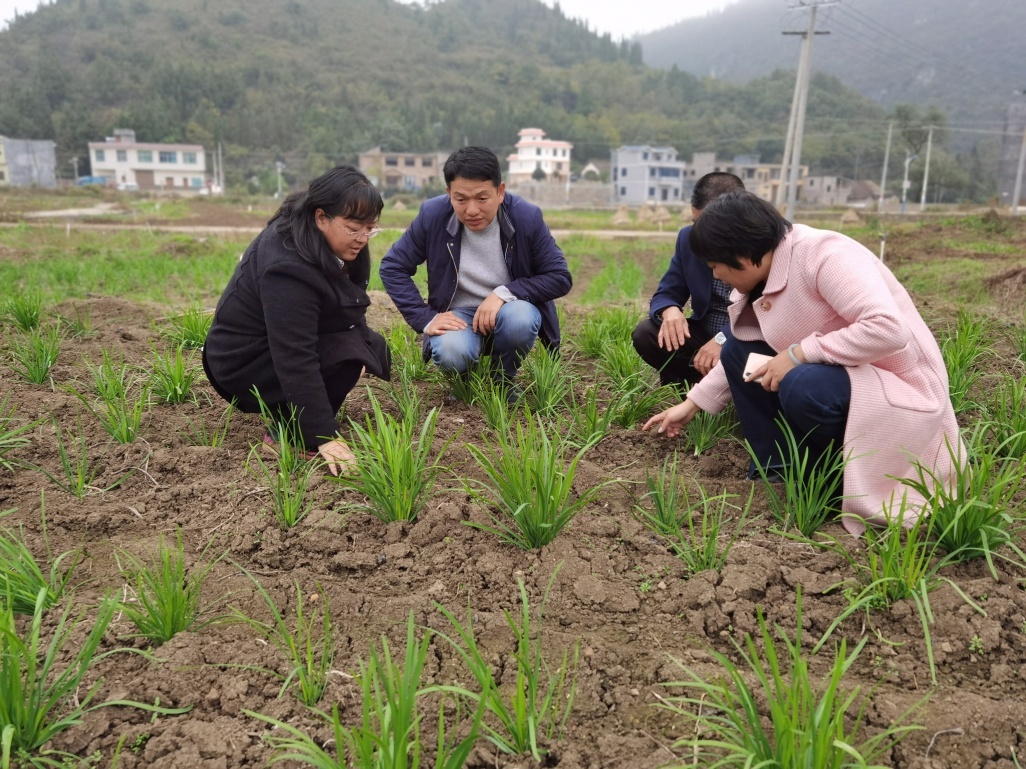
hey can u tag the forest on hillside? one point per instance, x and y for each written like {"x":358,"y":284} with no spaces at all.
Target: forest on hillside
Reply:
{"x":315,"y":82}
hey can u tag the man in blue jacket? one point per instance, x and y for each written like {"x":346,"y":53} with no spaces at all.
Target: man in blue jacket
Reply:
{"x":684,"y":349}
{"x":493,"y":269}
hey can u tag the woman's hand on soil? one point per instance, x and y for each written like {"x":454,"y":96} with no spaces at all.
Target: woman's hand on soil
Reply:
{"x":672,"y":421}
{"x":338,"y":456}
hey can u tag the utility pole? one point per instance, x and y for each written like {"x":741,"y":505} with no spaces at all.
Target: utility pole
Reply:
{"x":887,"y":157}
{"x":926,"y":172}
{"x":280,"y":167}
{"x":794,"y":158}
{"x":909,"y":157}
{"x":1018,"y":176}
{"x":789,"y":141}
{"x":220,"y":167}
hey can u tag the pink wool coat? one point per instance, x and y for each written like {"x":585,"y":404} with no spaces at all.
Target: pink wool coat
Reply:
{"x":845,"y":308}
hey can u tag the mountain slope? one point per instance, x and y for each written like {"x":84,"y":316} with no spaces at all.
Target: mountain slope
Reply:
{"x":964,"y":56}
{"x":317,"y":81}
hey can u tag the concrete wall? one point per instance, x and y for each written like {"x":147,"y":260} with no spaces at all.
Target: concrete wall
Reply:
{"x":549,"y":195}
{"x":29,"y":163}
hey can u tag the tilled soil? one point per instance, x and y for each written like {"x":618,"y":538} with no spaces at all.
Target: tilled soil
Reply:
{"x":617,"y":592}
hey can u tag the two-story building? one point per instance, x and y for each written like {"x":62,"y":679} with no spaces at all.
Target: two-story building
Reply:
{"x":764,"y":179}
{"x":27,"y":163}
{"x":826,"y":191}
{"x":148,"y":166}
{"x":534,"y":154}
{"x":642,"y":173}
{"x":403,"y":170}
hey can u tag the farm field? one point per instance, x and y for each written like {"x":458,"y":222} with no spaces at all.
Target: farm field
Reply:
{"x":621,"y":607}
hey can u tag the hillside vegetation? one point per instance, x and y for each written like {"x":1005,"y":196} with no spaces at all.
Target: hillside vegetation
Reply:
{"x":315,"y":82}
{"x":964,"y":57}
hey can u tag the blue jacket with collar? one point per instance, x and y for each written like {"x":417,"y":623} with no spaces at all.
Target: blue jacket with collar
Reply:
{"x":687,"y":277}
{"x":537,"y":268}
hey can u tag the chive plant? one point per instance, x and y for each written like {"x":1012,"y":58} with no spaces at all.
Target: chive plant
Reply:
{"x":78,"y":471}
{"x":24,"y":310}
{"x":551,"y":380}
{"x":166,"y":595}
{"x":389,"y":732}
{"x":407,"y":354}
{"x":706,"y":430}
{"x":12,"y":436}
{"x":900,"y":564}
{"x":604,"y":325}
{"x":973,"y":513}
{"x":1006,"y":416}
{"x":494,"y":401}
{"x":34,"y":353}
{"x":199,"y":433}
{"x":403,"y":393}
{"x":309,"y":648}
{"x":287,"y":473}
{"x":692,"y":529}
{"x":122,"y":398}
{"x":621,"y":364}
{"x":587,"y":421}
{"x":962,"y":350}
{"x":80,"y":324}
{"x":635,"y":400}
{"x":172,"y":376}
{"x":39,"y":699}
{"x":803,"y":494}
{"x":537,"y":705}
{"x":530,"y":471}
{"x":394,"y":468}
{"x":22,"y":579}
{"x":189,"y":328}
{"x":803,"y":725}
{"x":666,"y":503}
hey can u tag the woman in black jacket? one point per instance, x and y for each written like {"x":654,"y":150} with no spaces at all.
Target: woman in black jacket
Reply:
{"x":291,"y":324}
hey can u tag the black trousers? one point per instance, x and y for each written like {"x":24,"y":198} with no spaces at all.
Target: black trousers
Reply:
{"x":340,"y":377}
{"x":673,"y":367}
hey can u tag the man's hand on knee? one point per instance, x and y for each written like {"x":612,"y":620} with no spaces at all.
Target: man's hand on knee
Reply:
{"x":487,"y":312}
{"x":673,"y":331}
{"x":445,"y":321}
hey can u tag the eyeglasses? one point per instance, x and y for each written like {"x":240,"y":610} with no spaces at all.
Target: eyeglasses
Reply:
{"x":366,"y":234}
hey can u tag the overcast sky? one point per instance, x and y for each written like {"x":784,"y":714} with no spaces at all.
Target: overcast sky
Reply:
{"x":618,"y":17}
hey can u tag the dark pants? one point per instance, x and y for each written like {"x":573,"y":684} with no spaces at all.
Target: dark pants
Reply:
{"x":339,"y":377}
{"x":673,"y":367}
{"x":813,"y":401}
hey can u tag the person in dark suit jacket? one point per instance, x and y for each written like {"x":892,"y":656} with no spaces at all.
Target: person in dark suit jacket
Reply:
{"x":291,"y":323}
{"x":684,"y":349}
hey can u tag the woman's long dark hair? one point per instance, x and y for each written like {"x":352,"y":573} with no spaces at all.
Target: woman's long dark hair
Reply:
{"x":343,"y":191}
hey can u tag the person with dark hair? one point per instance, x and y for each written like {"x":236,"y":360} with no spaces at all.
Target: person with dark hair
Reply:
{"x":493,"y":270}
{"x":680,"y":348}
{"x":852,"y":367}
{"x":291,"y":323}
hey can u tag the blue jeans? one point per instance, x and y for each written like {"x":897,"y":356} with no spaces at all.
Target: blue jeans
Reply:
{"x":813,"y":401}
{"x":516,"y":329}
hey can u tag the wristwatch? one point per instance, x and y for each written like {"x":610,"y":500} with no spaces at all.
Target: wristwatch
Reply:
{"x":720,"y":338}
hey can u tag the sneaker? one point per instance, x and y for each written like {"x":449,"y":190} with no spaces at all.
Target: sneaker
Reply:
{"x":513,"y":394}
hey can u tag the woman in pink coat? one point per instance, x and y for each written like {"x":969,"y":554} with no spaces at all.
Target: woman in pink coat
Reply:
{"x":853,"y":364}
